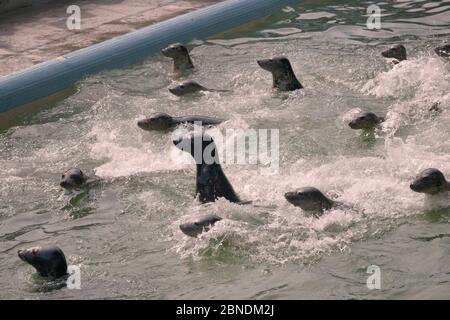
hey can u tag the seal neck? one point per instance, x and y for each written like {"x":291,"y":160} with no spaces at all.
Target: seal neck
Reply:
{"x":183,"y":62}
{"x":285,"y":78}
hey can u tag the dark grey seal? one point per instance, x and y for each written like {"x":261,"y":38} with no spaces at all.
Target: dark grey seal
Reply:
{"x":180,"y":55}
{"x":162,"y":121}
{"x":190,"y":87}
{"x":310,"y":199}
{"x":283,"y":76}
{"x":49,"y":261}
{"x":443,"y":51}
{"x":430,"y":181}
{"x":211,"y":182}
{"x":397,"y":52}
{"x":202,"y":224}
{"x":73,"y":178}
{"x":365,"y":121}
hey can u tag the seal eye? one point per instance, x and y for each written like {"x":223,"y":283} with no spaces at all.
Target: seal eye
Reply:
{"x":197,"y":224}
{"x":182,"y":87}
{"x":62,"y":176}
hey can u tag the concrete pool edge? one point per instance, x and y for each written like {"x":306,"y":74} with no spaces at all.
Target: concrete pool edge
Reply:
{"x":56,"y":75}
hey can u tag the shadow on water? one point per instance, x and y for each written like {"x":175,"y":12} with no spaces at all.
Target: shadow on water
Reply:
{"x":25,"y":115}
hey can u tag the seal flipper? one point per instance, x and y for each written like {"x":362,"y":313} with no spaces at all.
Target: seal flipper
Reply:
{"x":224,"y":188}
{"x":213,"y":184}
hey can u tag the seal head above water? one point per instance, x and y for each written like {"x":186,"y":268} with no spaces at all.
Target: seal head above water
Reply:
{"x":162,"y":121}
{"x":430,"y":181}
{"x":202,"y":224}
{"x":310,"y":199}
{"x":397,"y":52}
{"x":180,"y":55}
{"x":49,"y":261}
{"x":190,"y":87}
{"x":283,"y":75}
{"x":365,"y":121}
{"x":73,"y":178}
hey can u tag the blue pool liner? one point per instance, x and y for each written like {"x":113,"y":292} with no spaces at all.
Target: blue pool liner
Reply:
{"x":49,"y":78}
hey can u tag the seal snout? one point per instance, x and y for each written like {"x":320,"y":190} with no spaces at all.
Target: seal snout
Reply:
{"x":21,"y":253}
{"x":413,"y":187}
{"x":290,"y":195}
{"x":190,"y":229}
{"x":353,"y":124}
{"x":64,"y":184}
{"x":142,"y":124}
{"x":265,"y":64}
{"x":165,"y":51}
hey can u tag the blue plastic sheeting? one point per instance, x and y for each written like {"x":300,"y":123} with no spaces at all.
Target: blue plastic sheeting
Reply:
{"x":51,"y":77}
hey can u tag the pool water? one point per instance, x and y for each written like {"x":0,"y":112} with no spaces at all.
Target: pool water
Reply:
{"x":124,"y":232}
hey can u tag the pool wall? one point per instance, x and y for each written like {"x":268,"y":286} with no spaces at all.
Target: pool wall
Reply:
{"x":48,"y":78}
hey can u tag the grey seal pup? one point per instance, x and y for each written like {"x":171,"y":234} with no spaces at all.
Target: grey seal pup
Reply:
{"x":49,"y":261}
{"x":163,"y":121}
{"x":73,"y":178}
{"x":397,"y":52}
{"x":200,"y":225}
{"x":181,"y":59}
{"x":283,"y":75}
{"x":311,"y":199}
{"x":430,"y":181}
{"x":366,"y":121}
{"x":190,"y":87}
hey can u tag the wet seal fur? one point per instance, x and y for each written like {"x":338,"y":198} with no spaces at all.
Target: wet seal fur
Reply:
{"x":397,"y":52}
{"x":367,"y":121}
{"x":430,"y":181}
{"x":283,"y":75}
{"x":49,"y":261}
{"x":190,"y":87}
{"x":74,"y":178}
{"x":211,"y":182}
{"x":311,"y":199}
{"x":443,"y":51}
{"x":181,"y":59}
{"x":162,"y":121}
{"x":202,"y":224}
